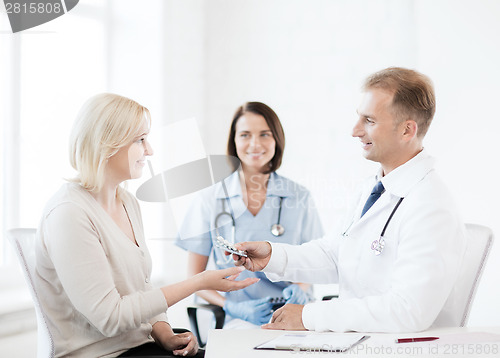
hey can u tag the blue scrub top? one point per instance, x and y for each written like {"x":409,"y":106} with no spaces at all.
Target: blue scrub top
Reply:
{"x":298,"y":216}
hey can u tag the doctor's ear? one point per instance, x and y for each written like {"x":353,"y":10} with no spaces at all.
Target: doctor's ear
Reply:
{"x":410,"y":129}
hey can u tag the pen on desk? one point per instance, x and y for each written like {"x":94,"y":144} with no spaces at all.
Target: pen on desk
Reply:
{"x":417,"y":339}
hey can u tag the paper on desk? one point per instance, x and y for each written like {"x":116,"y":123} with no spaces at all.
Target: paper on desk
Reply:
{"x":329,"y":342}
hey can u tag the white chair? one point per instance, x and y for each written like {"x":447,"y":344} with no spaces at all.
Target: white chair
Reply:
{"x":23,"y":241}
{"x":479,"y":240}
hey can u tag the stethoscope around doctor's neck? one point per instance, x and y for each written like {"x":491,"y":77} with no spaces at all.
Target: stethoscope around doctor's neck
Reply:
{"x":378,"y":245}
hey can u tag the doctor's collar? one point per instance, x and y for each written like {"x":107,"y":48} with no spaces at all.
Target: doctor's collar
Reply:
{"x":401,"y":180}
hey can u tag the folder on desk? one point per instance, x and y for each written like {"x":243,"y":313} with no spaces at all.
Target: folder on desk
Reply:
{"x":317,"y":342}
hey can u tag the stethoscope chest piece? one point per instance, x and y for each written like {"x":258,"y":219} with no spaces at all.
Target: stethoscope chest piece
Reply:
{"x":277,"y":230}
{"x":378,"y":246}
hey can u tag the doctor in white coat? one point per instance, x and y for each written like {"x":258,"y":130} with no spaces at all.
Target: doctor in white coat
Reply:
{"x":398,"y":281}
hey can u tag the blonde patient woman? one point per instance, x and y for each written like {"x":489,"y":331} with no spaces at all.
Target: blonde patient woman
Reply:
{"x":93,"y":267}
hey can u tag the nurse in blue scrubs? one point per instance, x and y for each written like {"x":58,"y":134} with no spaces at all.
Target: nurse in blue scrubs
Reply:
{"x":257,"y":204}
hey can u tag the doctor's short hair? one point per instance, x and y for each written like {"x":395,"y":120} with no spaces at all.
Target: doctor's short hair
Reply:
{"x":413,"y":91}
{"x":104,"y":124}
{"x":274,"y":124}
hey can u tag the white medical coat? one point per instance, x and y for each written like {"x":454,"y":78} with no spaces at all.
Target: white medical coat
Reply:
{"x":406,"y":287}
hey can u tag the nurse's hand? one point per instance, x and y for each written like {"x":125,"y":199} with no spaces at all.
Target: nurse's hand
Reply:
{"x":259,"y":254}
{"x":254,"y":311}
{"x":295,"y":294}
{"x":288,"y":317}
{"x":223,"y":280}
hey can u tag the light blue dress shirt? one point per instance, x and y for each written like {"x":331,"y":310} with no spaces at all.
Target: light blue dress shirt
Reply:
{"x":298,"y":216}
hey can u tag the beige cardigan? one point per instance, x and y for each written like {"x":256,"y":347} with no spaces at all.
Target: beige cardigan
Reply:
{"x":93,"y":281}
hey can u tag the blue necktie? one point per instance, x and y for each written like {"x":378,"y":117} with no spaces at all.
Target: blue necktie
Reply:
{"x":377,"y":190}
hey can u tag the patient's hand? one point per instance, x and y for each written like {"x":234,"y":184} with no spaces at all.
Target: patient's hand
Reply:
{"x":182,"y":344}
{"x":223,"y":280}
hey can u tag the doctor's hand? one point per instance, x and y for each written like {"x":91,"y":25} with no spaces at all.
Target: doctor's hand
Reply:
{"x":255,"y":311}
{"x":295,"y":294}
{"x":259,"y":254}
{"x":288,"y":317}
{"x":223,"y":280}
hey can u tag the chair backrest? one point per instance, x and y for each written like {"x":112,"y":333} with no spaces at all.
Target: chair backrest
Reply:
{"x":479,"y":240}
{"x":23,"y":241}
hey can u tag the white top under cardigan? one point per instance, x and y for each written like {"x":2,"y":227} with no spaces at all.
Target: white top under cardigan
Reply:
{"x":406,"y":288}
{"x":93,"y":281}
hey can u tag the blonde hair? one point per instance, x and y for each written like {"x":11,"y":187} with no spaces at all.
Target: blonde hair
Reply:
{"x":104,"y":124}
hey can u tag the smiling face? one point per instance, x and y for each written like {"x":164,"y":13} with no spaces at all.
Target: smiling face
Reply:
{"x":381,"y":135}
{"x":254,"y":141}
{"x":128,"y":162}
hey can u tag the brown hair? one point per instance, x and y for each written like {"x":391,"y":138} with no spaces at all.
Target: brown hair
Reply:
{"x":272,"y":121}
{"x":413,"y":95}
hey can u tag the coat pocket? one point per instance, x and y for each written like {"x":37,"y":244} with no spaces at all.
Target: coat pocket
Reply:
{"x":374,"y":271}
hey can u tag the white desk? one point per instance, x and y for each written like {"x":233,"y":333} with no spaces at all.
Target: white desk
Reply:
{"x":453,"y":342}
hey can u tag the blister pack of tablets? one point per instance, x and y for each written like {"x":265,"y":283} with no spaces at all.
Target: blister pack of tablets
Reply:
{"x":277,"y":302}
{"x":227,"y":246}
